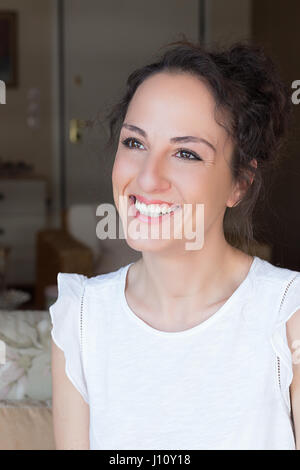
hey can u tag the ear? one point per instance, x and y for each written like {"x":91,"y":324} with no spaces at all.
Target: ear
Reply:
{"x":241,"y":188}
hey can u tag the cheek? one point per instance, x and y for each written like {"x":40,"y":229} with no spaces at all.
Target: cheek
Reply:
{"x":114,"y":174}
{"x":117,"y":180}
{"x":117,"y":173}
{"x":207,"y":188}
{"x":122,"y":175}
{"x":197,"y":187}
{"x":121,"y":170}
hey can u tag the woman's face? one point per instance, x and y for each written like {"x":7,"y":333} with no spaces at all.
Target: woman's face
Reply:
{"x":150,"y":164}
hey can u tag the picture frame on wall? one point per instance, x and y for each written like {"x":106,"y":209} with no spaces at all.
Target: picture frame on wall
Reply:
{"x":8,"y":48}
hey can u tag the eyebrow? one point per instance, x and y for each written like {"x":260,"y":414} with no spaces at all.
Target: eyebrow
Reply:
{"x":184,"y":139}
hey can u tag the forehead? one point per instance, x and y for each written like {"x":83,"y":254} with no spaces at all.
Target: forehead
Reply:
{"x":174,"y":103}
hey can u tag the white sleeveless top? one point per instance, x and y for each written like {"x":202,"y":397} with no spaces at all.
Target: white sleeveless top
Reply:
{"x":223,"y":384}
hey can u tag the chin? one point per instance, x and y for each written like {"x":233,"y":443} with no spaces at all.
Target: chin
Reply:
{"x":152,"y":245}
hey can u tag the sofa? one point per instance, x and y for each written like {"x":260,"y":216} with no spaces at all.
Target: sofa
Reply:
{"x":26,"y":425}
{"x":25,"y":381}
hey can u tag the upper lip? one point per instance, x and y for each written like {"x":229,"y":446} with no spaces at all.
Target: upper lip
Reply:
{"x":151,"y":201}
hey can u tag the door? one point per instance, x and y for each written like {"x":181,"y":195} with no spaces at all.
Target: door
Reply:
{"x":104,"y":41}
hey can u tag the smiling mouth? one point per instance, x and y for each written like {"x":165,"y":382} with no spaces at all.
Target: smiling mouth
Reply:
{"x":152,"y":210}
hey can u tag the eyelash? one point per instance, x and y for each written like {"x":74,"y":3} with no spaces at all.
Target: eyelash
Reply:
{"x":196,"y":157}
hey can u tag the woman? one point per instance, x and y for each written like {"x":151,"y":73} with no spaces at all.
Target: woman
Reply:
{"x":187,"y":348}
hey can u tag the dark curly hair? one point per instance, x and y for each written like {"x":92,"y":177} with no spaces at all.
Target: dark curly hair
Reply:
{"x":255,"y":102}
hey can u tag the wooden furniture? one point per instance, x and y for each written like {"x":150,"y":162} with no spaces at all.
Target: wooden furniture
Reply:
{"x":57,"y":251}
{"x":22,"y":214}
{"x":4,"y":254}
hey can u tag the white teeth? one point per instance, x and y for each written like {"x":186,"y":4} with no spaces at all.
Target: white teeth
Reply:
{"x":154,"y":210}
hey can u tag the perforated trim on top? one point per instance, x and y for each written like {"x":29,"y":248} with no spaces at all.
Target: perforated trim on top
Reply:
{"x":81,"y":335}
{"x":81,"y":321}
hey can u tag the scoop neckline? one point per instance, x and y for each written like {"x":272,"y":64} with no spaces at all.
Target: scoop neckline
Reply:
{"x":195,"y":329}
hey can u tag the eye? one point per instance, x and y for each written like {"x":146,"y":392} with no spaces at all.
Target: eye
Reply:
{"x":192,"y":156}
{"x":127,"y":142}
{"x":195,"y":157}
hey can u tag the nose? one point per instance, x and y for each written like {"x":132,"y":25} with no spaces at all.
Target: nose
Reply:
{"x":153,"y":176}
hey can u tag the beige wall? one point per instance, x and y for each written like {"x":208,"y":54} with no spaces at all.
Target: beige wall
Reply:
{"x":227,"y":21}
{"x":17,"y":140}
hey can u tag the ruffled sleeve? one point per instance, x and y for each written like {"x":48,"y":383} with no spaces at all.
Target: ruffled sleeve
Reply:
{"x":289,"y":304}
{"x":65,"y":317}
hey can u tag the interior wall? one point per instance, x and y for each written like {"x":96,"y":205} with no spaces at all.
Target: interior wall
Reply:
{"x":103,"y":45}
{"x":35,"y":64}
{"x":277,"y":29}
{"x":227,"y":21}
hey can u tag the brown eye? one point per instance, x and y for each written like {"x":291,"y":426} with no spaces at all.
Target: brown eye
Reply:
{"x":194,"y":156}
{"x":127,"y":143}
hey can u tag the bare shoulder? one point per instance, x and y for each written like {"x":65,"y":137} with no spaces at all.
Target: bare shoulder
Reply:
{"x":293,"y":337}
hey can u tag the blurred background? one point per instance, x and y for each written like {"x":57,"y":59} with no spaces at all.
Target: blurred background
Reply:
{"x":65,"y":63}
